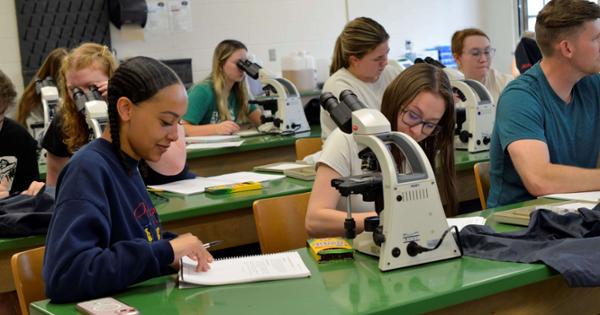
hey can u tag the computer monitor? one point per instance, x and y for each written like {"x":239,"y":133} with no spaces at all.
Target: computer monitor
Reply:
{"x":183,"y":68}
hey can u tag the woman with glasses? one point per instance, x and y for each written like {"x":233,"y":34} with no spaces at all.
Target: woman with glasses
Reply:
{"x":473,"y":53}
{"x":418,"y":103}
{"x":360,"y":64}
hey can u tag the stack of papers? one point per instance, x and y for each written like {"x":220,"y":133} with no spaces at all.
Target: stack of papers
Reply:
{"x":248,"y":133}
{"x":279,"y":167}
{"x":215,"y":145}
{"x":590,"y":196}
{"x":199,"y":184}
{"x":521,"y":216}
{"x":212,"y":139}
{"x":212,"y":142}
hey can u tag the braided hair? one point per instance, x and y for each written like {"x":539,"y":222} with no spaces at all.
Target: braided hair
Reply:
{"x":137,"y":79}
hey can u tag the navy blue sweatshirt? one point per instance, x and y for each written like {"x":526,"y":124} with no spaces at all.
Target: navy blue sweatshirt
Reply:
{"x":105,"y":234}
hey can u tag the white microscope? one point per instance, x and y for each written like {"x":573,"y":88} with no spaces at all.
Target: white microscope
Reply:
{"x":93,"y":106}
{"x":48,"y":93}
{"x":475,"y":116}
{"x":411,"y":226}
{"x":289,"y":112}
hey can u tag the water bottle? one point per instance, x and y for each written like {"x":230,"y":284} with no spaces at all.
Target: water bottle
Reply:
{"x":300,"y":68}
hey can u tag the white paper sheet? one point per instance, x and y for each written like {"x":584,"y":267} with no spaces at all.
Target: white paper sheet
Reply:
{"x":241,"y":177}
{"x":199,"y":184}
{"x":567,"y":208}
{"x":189,"y":186}
{"x":212,"y":139}
{"x":180,"y":15}
{"x":216,"y":145}
{"x":462,"y":222}
{"x":286,"y":166}
{"x":590,"y":196}
{"x":158,"y":16}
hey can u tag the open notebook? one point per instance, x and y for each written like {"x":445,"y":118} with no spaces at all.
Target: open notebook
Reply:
{"x":277,"y":266}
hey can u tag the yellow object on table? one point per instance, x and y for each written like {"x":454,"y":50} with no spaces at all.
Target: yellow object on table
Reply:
{"x":227,"y":189}
{"x":330,"y":248}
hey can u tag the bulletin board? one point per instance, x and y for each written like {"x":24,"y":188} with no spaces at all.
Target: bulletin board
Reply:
{"x":47,"y":24}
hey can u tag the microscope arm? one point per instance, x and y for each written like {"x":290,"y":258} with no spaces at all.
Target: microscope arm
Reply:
{"x":323,"y":217}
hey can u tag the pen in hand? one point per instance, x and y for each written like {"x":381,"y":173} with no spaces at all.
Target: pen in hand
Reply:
{"x":212,"y":244}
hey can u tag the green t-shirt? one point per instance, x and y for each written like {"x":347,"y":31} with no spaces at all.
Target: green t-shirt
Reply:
{"x":202,"y":104}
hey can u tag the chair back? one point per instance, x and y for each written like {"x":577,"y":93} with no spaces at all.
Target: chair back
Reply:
{"x":307,"y":146}
{"x":280,"y":222}
{"x":27,"y":274}
{"x":482,"y":180}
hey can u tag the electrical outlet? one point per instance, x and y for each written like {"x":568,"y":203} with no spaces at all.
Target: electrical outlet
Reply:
{"x":272,"y":55}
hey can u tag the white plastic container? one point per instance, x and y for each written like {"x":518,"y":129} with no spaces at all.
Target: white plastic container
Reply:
{"x":300,"y":68}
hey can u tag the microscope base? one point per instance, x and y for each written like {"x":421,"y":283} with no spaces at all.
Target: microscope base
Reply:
{"x":364,"y":244}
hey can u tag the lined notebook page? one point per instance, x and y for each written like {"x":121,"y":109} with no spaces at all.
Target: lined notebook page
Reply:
{"x":285,"y":265}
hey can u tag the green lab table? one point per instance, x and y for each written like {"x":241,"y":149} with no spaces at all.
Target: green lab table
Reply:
{"x":464,"y":285}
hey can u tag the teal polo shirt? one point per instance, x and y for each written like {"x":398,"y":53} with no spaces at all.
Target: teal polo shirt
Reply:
{"x":529,"y":108}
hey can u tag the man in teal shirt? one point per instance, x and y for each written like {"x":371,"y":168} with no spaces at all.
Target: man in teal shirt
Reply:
{"x":547,"y":133}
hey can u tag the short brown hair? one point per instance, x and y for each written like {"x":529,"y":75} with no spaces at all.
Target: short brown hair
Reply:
{"x":7,"y":92}
{"x":458,"y":39}
{"x":561,"y":18}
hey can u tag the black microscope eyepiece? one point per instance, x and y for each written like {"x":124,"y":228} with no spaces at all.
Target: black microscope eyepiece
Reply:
{"x":79,"y":98}
{"x":251,"y":68}
{"x":339,"y":112}
{"x":95,"y":93}
{"x":351,"y":100}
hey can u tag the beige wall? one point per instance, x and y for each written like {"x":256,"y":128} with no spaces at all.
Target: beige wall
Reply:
{"x":10,"y":58}
{"x":291,"y":25}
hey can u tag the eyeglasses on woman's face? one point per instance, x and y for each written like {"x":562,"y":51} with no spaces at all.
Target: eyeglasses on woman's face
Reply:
{"x":477,"y":53}
{"x":412,"y":119}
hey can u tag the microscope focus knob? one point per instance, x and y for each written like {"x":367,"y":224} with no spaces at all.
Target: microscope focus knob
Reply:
{"x":464,"y":136}
{"x":378,"y":237}
{"x":486,"y":140}
{"x":413,"y":249}
{"x":371,"y":223}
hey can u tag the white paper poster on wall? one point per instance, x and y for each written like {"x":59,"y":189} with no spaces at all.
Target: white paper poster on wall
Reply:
{"x":158,"y":16}
{"x":180,"y":12}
